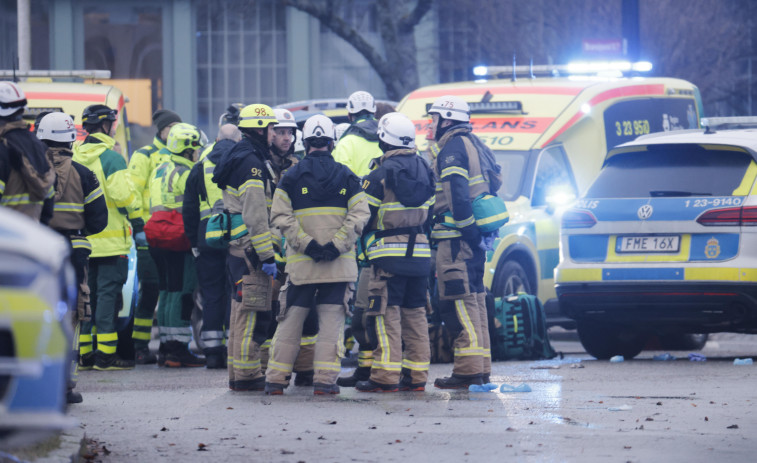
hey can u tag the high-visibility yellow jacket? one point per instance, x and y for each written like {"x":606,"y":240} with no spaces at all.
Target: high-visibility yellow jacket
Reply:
{"x":96,"y":153}
{"x":141,"y":166}
{"x":169,"y":182}
{"x":358,"y":147}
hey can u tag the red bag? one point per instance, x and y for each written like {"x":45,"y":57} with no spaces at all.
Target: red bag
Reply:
{"x":165,"y":230}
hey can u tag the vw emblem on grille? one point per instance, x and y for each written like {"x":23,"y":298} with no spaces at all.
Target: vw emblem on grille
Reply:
{"x":644,"y":212}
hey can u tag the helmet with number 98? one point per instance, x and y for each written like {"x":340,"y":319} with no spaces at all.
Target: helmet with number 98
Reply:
{"x":256,"y":116}
{"x":451,"y":107}
{"x":58,"y":127}
{"x":182,"y":137}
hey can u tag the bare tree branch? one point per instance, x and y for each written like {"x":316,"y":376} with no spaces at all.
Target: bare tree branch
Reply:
{"x":407,"y":23}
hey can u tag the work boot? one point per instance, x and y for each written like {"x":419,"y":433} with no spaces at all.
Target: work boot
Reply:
{"x":458,"y":382}
{"x":178,"y":356}
{"x":73,"y":397}
{"x":257,"y":384}
{"x":87,"y":361}
{"x":215,"y":361}
{"x":485,"y":378}
{"x":324,"y":389}
{"x":143,"y":356}
{"x":304,"y":378}
{"x":108,"y":362}
{"x":274,"y":389}
{"x":406,"y":384}
{"x":373,"y":386}
{"x":360,"y":374}
{"x":349,"y":361}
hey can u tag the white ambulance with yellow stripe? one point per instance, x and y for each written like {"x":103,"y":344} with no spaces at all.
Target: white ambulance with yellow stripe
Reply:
{"x":664,"y":242}
{"x":550,"y":135}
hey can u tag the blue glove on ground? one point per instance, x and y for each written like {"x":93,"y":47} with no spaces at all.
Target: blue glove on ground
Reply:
{"x":270,"y":269}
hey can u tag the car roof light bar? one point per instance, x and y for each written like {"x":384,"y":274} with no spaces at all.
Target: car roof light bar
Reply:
{"x":573,"y":68}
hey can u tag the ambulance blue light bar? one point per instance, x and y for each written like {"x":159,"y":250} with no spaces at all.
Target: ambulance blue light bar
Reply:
{"x":573,"y":68}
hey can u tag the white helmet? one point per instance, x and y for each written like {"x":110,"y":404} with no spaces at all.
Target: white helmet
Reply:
{"x":285,"y":118}
{"x":397,"y":130}
{"x":12,"y":98}
{"x":361,"y":101}
{"x":340,"y":129}
{"x":318,"y":126}
{"x":451,"y":107}
{"x":57,"y":126}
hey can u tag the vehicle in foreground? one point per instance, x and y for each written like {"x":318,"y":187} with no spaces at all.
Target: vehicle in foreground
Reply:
{"x":664,"y":242}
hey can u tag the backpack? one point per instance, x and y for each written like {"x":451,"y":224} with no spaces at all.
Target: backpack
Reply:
{"x":519,"y":329}
{"x":412,"y":184}
{"x":165,"y":230}
{"x":224,"y":227}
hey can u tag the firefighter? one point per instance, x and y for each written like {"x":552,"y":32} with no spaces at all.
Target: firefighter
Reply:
{"x":109,"y":262}
{"x":321,"y":210}
{"x":79,"y":211}
{"x":243,"y":176}
{"x":358,"y":146}
{"x":460,"y":258}
{"x":170,"y":248}
{"x":203,"y":198}
{"x":282,"y":158}
{"x":399,"y":191}
{"x":26,"y":175}
{"x":141,"y":167}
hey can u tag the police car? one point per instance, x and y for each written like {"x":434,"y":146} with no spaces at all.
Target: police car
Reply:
{"x":664,"y":242}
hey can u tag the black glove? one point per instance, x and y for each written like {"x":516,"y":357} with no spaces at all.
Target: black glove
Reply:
{"x":330,"y":252}
{"x":138,"y":225}
{"x":314,"y":251}
{"x":471,"y":235}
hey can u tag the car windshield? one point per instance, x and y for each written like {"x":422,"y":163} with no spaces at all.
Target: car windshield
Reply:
{"x":513,"y":166}
{"x":671,"y":170}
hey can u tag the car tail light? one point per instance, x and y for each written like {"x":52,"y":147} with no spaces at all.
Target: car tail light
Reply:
{"x":578,"y":218}
{"x":729,"y":217}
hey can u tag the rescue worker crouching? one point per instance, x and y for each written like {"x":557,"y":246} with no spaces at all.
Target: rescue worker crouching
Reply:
{"x":321,"y":210}
{"x":141,"y":168}
{"x":399,"y":191}
{"x":247,"y":191}
{"x":282,"y":158}
{"x":109,"y":262}
{"x":26,"y":176}
{"x":80,"y":210}
{"x":460,"y":256}
{"x":358,"y":145}
{"x":202,"y":199}
{"x":170,"y":248}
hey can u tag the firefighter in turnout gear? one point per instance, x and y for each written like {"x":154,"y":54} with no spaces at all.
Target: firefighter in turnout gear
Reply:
{"x":203,"y":198}
{"x":141,"y":167}
{"x":109,"y":262}
{"x":358,"y":146}
{"x":282,"y":158}
{"x":80,"y":210}
{"x":460,"y":256}
{"x":243,"y":176}
{"x":321,"y":210}
{"x":26,"y":176}
{"x":399,"y":191}
{"x":170,"y":248}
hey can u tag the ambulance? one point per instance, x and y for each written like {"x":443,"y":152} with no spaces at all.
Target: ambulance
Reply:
{"x":550,"y":135}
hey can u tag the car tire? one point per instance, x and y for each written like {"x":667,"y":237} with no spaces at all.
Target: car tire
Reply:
{"x":603,"y":341}
{"x":683,"y":341}
{"x":511,"y":279}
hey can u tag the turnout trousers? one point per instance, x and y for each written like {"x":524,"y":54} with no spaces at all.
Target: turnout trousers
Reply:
{"x":329,"y":345}
{"x":247,"y":328}
{"x":460,"y":273}
{"x":399,"y":318}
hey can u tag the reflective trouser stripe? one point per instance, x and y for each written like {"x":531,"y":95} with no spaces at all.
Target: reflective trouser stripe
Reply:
{"x":212,"y":338}
{"x":85,"y":343}
{"x":308,"y":340}
{"x":106,"y":342}
{"x":142,"y":329}
{"x":365,"y":358}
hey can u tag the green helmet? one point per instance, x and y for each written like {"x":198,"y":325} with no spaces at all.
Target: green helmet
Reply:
{"x":182,"y":137}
